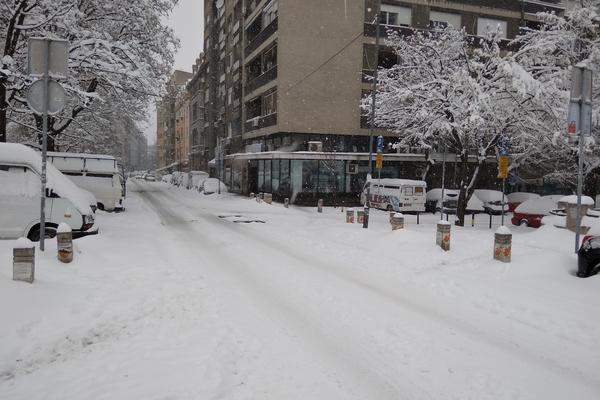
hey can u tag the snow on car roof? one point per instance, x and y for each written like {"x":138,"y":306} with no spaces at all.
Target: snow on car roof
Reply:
{"x":572,"y":199}
{"x":487,"y":195}
{"x":436,"y":194}
{"x":538,"y":206}
{"x":389,"y":181}
{"x":15,"y":153}
{"x":81,"y":155}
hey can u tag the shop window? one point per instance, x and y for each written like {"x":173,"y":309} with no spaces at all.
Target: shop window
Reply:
{"x":261,"y":175}
{"x":267,"y":187}
{"x":332,"y":176}
{"x":275,"y":176}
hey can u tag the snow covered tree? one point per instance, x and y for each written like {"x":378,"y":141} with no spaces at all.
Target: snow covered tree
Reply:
{"x":120,"y":55}
{"x":546,"y":56}
{"x":451,"y":90}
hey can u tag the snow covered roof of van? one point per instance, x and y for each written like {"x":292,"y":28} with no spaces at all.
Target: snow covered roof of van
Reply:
{"x":388,"y":181}
{"x":15,"y":153}
{"x":80,"y":155}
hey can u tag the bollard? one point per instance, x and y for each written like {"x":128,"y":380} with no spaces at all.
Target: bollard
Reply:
{"x":360,"y":216}
{"x":286,"y":202}
{"x":252,"y":195}
{"x":320,"y":205}
{"x":473,"y":219}
{"x":259,"y":197}
{"x":397,"y":221}
{"x":503,"y":244}
{"x":418,"y":218}
{"x":268,"y":198}
{"x":392,"y":213}
{"x":350,"y":216}
{"x":443,"y":235}
{"x":24,"y":260}
{"x":64,"y":241}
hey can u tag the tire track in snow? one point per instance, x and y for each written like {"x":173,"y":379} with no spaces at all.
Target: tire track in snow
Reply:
{"x":308,"y":261}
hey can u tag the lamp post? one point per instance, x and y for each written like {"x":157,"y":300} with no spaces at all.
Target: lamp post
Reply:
{"x":373,"y":106}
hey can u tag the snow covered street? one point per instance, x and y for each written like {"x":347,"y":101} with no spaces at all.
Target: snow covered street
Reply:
{"x":187,"y":296}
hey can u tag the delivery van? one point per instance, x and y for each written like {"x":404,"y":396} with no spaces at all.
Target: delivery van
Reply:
{"x":96,"y":173}
{"x":402,"y":195}
{"x":20,"y":180}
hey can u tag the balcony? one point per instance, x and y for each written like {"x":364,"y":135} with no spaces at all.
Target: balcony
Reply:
{"x":260,"y":122}
{"x":261,"y":37}
{"x":262,"y":80}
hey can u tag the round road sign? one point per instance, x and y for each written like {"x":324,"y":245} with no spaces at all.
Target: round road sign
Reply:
{"x":57,"y":97}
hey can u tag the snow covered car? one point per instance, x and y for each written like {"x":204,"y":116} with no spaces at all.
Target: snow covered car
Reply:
{"x":211,"y":185}
{"x":20,"y":180}
{"x":195,"y":179}
{"x":516,"y":198}
{"x":166,"y":178}
{"x":530,"y":212}
{"x":433,"y":200}
{"x":492,"y":200}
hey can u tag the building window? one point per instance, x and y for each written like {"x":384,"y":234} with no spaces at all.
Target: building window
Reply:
{"x":395,"y":15}
{"x":269,"y":59}
{"x":488,"y":25}
{"x":269,"y":102}
{"x":438,"y":19}
{"x":269,"y":13}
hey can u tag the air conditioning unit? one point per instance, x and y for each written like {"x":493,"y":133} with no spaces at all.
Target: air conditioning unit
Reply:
{"x":315,"y":146}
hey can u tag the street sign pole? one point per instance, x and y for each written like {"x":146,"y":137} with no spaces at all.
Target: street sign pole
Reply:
{"x":44,"y":144}
{"x":373,"y":106}
{"x":443,"y":181}
{"x":580,"y":126}
{"x":46,"y":57}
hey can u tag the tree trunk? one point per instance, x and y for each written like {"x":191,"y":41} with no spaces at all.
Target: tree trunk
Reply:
{"x":3,"y":106}
{"x":463,"y":196}
{"x":467,"y":187}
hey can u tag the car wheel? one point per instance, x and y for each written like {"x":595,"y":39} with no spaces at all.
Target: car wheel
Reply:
{"x":523,"y":222}
{"x":390,"y":207}
{"x":34,"y":233}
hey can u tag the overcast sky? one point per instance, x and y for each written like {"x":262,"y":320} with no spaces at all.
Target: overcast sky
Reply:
{"x":188,"y":23}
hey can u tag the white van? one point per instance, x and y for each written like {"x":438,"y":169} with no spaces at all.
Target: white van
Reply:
{"x":95,"y":173}
{"x":20,"y":180}
{"x":402,"y":195}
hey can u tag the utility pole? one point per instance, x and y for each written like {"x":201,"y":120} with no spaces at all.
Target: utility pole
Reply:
{"x":373,"y":106}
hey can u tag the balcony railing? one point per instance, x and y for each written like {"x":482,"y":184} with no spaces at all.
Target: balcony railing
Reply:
{"x":261,"y":37}
{"x":262,"y":80}
{"x":260,"y":122}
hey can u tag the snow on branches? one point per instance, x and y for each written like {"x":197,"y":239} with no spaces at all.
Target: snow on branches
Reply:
{"x":120,"y":55}
{"x":451,"y":90}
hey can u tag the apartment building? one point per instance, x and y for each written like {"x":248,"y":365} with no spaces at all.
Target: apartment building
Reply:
{"x":286,"y":77}
{"x":166,"y":120}
{"x":198,"y":146}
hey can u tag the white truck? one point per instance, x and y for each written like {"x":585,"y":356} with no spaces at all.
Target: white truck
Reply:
{"x":96,"y":173}
{"x":20,"y":183}
{"x":402,"y":195}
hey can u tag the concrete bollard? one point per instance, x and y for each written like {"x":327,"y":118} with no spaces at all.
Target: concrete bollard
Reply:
{"x":320,"y":205}
{"x":268,"y":198}
{"x":503,"y":244}
{"x":64,"y":241}
{"x":442,"y":238}
{"x":252,"y":195}
{"x":350,"y":216}
{"x":360,"y":216}
{"x":24,"y":260}
{"x":392,"y":213}
{"x":397,"y":221}
{"x":259,"y":198}
{"x":286,"y":202}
